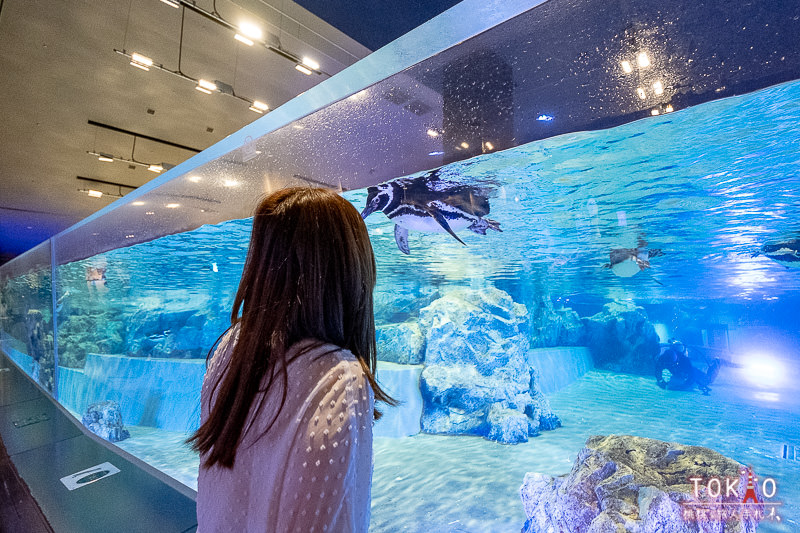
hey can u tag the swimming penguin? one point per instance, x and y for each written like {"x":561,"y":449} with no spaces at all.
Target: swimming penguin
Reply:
{"x":430,"y":204}
{"x":786,"y":253}
{"x":627,"y":262}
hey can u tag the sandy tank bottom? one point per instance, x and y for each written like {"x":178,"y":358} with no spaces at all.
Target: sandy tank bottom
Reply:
{"x":433,"y":483}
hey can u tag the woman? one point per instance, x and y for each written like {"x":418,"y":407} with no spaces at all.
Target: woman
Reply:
{"x":285,"y":439}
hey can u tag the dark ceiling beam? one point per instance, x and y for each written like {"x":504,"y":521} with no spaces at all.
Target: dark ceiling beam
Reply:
{"x":142,"y":136}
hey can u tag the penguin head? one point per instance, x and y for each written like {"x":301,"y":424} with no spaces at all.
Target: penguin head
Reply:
{"x":378,"y":198}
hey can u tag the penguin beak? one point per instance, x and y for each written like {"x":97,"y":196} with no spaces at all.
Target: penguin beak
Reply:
{"x":371,"y":208}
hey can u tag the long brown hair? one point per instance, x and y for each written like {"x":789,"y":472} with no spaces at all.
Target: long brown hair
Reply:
{"x":309,"y":274}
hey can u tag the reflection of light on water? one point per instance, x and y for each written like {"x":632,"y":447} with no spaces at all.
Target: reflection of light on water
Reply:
{"x":751,"y":278}
{"x":767,"y":396}
{"x":751,"y":272}
{"x":764,"y":371}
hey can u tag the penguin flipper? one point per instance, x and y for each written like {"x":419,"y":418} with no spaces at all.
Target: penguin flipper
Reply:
{"x":401,"y":238}
{"x":440,"y":218}
{"x":480,"y":226}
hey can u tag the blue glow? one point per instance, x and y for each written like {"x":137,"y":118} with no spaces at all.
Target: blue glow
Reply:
{"x":436,"y":153}
{"x":544,"y":118}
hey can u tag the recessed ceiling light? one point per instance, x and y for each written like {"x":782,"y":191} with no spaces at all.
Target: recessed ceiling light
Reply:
{"x":251,"y":30}
{"x":310,"y":63}
{"x":105,"y":158}
{"x":94,"y":194}
{"x":464,"y":145}
{"x":205,"y":86}
{"x":305,"y":70}
{"x":155,"y":168}
{"x":243,"y":39}
{"x":173,"y":206}
{"x":137,"y":202}
{"x":140,"y":61}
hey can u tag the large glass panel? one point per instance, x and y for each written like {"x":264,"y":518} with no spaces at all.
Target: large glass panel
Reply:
{"x":135,"y":327}
{"x":26,"y":315}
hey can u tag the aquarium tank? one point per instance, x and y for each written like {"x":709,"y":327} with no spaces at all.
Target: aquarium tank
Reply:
{"x":585,"y":222}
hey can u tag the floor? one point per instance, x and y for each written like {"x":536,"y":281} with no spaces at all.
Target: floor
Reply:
{"x":53,"y":472}
{"x":18,"y":511}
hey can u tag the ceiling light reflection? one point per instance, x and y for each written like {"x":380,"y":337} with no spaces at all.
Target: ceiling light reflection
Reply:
{"x":626,"y":67}
{"x":642,"y":60}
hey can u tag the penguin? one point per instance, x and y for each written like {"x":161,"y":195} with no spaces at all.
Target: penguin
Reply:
{"x":430,"y":204}
{"x":627,"y":262}
{"x":786,"y":253}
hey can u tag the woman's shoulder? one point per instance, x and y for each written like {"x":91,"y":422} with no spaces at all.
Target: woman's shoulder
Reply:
{"x":325,"y":358}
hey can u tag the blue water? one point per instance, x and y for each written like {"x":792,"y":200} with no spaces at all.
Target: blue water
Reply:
{"x":707,"y":185}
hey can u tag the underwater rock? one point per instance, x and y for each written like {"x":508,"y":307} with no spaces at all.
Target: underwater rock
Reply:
{"x":400,"y":305}
{"x":104,"y":419}
{"x":40,"y":348}
{"x":509,"y":425}
{"x":477,"y":380}
{"x":622,"y":339}
{"x":554,"y":327}
{"x":166,"y":333}
{"x":400,"y":343}
{"x":88,"y":330}
{"x":622,"y":483}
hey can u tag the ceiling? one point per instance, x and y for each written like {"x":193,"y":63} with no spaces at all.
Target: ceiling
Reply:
{"x":66,"y":91}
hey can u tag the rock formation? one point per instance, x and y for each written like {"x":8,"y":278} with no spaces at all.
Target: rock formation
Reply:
{"x":622,"y":483}
{"x":477,"y":380}
{"x":105,"y":420}
{"x":401,"y":343}
{"x":39,"y":343}
{"x":554,"y":327}
{"x":622,"y":339}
